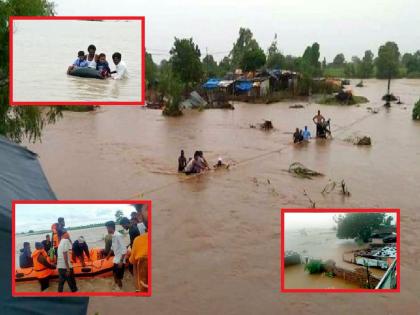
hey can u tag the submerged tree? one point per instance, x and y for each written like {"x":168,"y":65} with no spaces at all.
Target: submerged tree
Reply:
{"x":388,"y":61}
{"x":151,"y":70}
{"x":19,"y":121}
{"x":416,"y":111}
{"x":359,"y":225}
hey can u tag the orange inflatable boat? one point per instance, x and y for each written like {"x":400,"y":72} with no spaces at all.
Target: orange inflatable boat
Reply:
{"x":96,"y":267}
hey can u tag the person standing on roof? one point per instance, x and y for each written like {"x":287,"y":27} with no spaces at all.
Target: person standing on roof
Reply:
{"x":42,"y":266}
{"x":120,"y":67}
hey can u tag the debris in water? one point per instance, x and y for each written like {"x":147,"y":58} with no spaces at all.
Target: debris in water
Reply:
{"x":365,"y":140}
{"x":302,"y":171}
{"x":296,"y":106}
{"x":331,"y":185}
{"x":313,"y":204}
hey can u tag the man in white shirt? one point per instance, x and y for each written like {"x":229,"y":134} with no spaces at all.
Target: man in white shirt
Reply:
{"x":120,"y":250}
{"x":64,"y":265}
{"x":120,"y":67}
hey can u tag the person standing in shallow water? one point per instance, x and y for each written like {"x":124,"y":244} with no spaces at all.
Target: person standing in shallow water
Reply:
{"x":120,"y":67}
{"x":182,"y":162}
{"x":319,"y":120}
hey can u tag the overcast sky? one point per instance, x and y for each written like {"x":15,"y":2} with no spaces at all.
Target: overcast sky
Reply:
{"x":313,"y":220}
{"x":350,"y":27}
{"x":40,"y":217}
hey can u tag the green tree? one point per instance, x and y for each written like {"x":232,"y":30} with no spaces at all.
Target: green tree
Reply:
{"x":366,"y":67}
{"x":324,"y":64}
{"x":275,"y":59}
{"x":185,"y":60}
{"x":310,"y":67}
{"x":339,"y":60}
{"x":358,"y":225}
{"x":225,"y":65}
{"x":412,"y":64}
{"x":253,"y":59}
{"x":243,"y":44}
{"x":18,"y":122}
{"x":210,"y":67}
{"x":388,"y":61}
{"x":170,"y":88}
{"x":118,"y":216}
{"x":151,"y":70}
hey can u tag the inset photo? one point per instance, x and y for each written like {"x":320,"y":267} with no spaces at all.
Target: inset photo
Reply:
{"x":81,"y":248}
{"x":340,"y":250}
{"x":62,"y":60}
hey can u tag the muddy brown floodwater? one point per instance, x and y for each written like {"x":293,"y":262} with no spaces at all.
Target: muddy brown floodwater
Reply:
{"x":216,"y":236}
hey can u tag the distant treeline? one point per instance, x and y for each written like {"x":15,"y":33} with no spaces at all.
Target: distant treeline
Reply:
{"x":87,"y":226}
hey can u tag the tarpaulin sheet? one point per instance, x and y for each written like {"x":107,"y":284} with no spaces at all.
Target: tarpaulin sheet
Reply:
{"x":211,"y":84}
{"x":21,"y":177}
{"x":243,"y":86}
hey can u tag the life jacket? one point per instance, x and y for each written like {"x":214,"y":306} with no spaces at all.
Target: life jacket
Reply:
{"x":55,"y":239}
{"x":40,"y":270}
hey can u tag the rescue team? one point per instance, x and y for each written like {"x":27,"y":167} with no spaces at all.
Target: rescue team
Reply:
{"x":61,"y":252}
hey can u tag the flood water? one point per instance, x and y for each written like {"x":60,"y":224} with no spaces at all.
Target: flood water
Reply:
{"x":43,"y":50}
{"x":216,"y":236}
{"x":94,"y":237}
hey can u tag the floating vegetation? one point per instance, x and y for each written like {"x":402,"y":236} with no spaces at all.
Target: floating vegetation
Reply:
{"x":313,"y":204}
{"x":359,"y":140}
{"x":340,"y":100}
{"x":300,"y":170}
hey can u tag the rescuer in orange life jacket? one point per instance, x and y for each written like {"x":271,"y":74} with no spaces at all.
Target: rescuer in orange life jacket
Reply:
{"x":57,"y":232}
{"x":42,"y":266}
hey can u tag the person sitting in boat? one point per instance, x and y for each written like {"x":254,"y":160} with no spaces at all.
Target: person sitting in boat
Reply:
{"x":319,"y":121}
{"x":120,"y":67}
{"x":47,"y":243}
{"x":25,"y":257}
{"x":92,"y":57}
{"x":79,"y":250}
{"x":103,"y":66}
{"x":182,"y":162}
{"x":42,"y":265}
{"x":80,"y":62}
{"x":306,"y":134}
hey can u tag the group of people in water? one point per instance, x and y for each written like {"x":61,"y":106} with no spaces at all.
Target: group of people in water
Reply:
{"x":99,"y":62}
{"x":197,"y":164}
{"x":60,"y":252}
{"x":322,"y":129}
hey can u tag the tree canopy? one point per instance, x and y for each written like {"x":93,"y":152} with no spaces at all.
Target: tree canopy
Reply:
{"x":275,"y":59}
{"x":210,"y":67}
{"x":252,"y":59}
{"x":185,"y":60}
{"x":339,"y":60}
{"x":20,"y":121}
{"x":360,"y":225}
{"x":388,"y":61}
{"x":151,"y":70}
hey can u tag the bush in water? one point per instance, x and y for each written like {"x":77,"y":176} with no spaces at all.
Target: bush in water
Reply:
{"x":416,"y":111}
{"x":314,"y":266}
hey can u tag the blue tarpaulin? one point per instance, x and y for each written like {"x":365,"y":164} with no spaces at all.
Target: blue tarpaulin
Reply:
{"x":211,"y":84}
{"x":243,"y":86}
{"x":21,"y":177}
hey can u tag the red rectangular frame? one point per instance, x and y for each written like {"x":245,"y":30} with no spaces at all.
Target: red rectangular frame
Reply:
{"x":284,"y":290}
{"x":54,"y":103}
{"x":49,"y":294}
